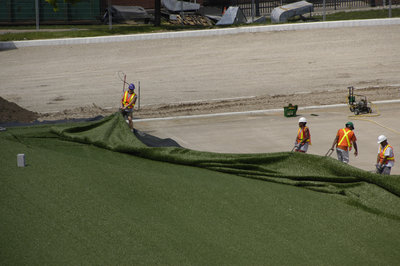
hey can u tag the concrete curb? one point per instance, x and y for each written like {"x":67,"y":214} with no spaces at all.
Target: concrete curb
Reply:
{"x":254,"y":112}
{"x":202,"y":33}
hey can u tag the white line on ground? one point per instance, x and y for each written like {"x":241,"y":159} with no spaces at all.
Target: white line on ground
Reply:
{"x":254,"y":112}
{"x":217,"y":99}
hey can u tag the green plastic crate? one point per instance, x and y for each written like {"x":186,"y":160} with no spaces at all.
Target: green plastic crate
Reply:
{"x":290,"y":110}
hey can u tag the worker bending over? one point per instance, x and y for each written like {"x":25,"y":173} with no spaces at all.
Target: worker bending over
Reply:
{"x":303,"y":138}
{"x":344,"y":140}
{"x":127,"y":103}
{"x":385,"y":159}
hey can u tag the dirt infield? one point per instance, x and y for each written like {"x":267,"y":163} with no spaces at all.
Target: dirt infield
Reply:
{"x":172,"y":71}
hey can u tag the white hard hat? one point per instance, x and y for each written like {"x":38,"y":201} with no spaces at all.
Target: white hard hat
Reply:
{"x":382,"y":138}
{"x":302,"y":120}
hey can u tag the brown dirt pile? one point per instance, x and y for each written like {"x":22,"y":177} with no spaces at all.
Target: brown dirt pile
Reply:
{"x":11,"y":112}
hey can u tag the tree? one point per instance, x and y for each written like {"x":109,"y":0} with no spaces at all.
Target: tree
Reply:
{"x":53,"y":3}
{"x":157,"y":8}
{"x":157,"y":12}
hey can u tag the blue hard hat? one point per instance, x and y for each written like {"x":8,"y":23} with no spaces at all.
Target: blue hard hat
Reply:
{"x":131,"y":86}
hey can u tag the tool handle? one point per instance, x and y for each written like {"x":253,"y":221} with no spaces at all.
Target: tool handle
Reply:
{"x":123,"y":88}
{"x":329,"y":153}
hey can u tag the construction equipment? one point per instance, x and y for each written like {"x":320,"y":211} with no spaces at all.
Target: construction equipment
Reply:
{"x":360,"y":106}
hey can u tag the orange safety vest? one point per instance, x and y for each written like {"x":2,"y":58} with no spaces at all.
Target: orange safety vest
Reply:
{"x":126,"y":99}
{"x":344,"y":138}
{"x":382,"y":154}
{"x":300,"y":135}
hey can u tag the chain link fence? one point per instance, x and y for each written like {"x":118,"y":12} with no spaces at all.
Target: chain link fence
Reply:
{"x":28,"y":11}
{"x":265,"y":7}
{"x":14,"y":12}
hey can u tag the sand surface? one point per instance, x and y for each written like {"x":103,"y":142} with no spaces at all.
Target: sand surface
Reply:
{"x":49,"y":79}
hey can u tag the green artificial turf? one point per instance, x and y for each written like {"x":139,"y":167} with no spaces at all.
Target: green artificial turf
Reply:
{"x":93,"y":194}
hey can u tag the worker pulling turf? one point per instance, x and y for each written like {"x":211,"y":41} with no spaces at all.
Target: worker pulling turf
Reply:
{"x":127,"y":103}
{"x":344,"y":140}
{"x":385,"y":158}
{"x":303,"y":138}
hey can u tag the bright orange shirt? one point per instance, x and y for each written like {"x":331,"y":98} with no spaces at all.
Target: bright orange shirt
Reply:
{"x":346,"y":138}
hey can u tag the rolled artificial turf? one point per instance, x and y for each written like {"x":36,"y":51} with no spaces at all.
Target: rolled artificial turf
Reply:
{"x":92,"y":193}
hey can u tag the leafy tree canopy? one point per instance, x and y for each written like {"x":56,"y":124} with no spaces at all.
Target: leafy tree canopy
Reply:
{"x":53,"y":3}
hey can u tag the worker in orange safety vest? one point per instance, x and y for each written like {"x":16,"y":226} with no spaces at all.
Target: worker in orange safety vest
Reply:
{"x":385,"y":158}
{"x":127,"y":103}
{"x":303,"y":138}
{"x":344,"y":140}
